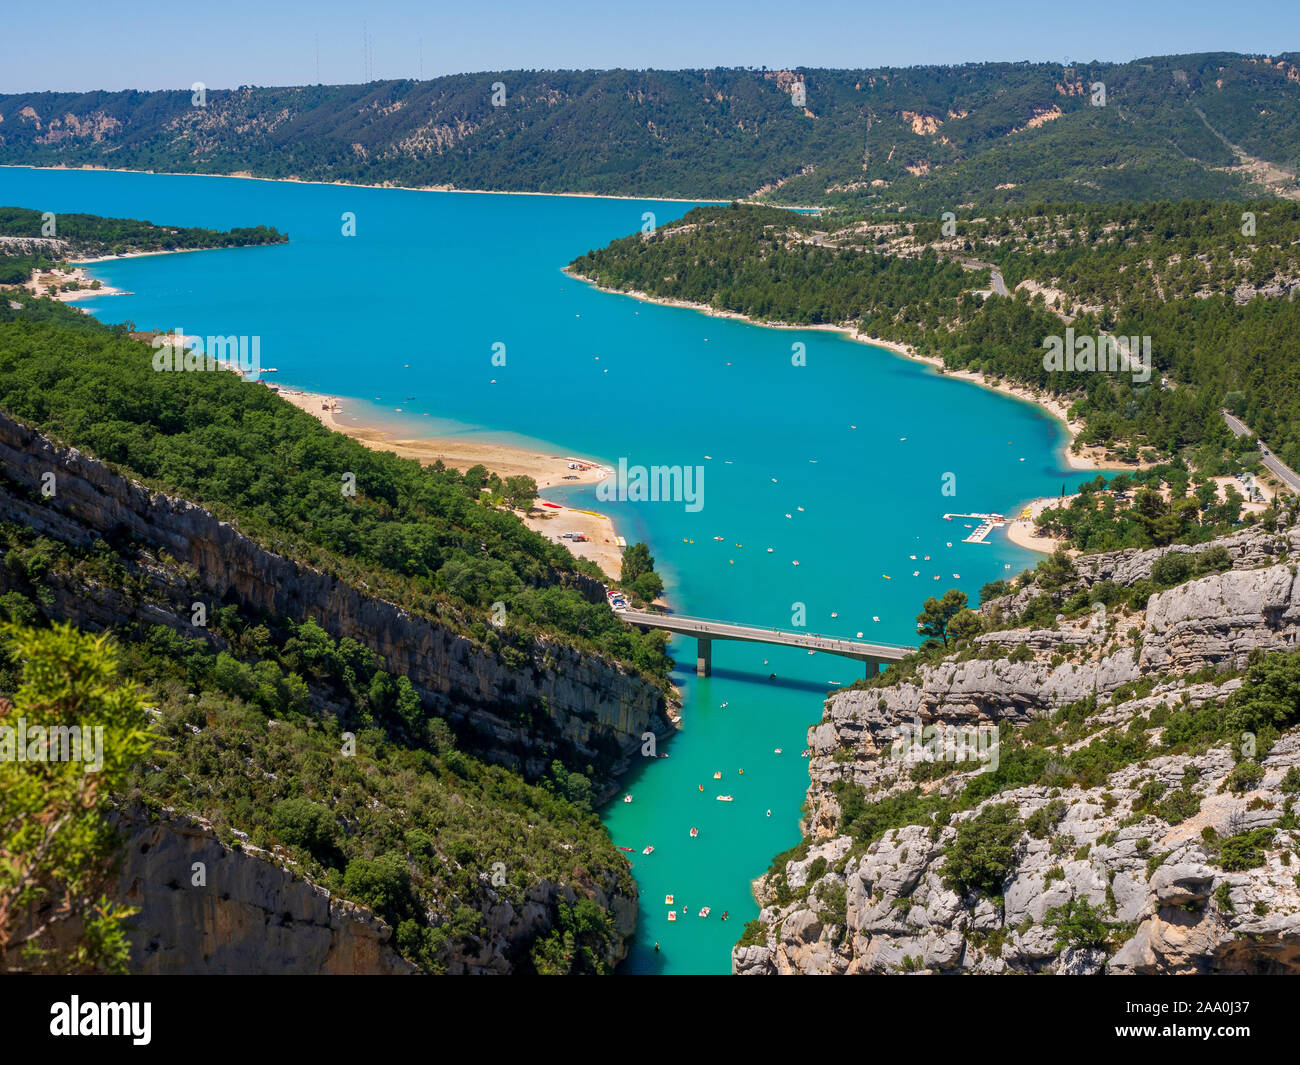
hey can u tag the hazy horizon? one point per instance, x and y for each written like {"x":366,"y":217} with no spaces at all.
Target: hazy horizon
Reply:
{"x":330,"y":42}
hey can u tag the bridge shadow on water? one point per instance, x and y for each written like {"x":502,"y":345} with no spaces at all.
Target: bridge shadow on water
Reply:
{"x":784,"y":683}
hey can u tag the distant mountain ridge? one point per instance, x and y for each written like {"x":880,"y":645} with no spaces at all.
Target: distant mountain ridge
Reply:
{"x":1208,"y":126}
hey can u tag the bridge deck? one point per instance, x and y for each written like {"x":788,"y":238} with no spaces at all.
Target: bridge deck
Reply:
{"x":708,"y":629}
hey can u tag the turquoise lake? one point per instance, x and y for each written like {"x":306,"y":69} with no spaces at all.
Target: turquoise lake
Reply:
{"x":838,"y":464}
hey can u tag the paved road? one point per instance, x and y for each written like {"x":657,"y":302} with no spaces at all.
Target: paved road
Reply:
{"x":725,"y":630}
{"x":995,"y":275}
{"x":1283,"y":472}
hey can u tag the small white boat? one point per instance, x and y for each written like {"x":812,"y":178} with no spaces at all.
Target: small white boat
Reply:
{"x":874,"y":618}
{"x":648,"y":850}
{"x":668,"y":900}
{"x":672,"y":915}
{"x":627,"y":798}
{"x":717,"y":775}
{"x":777,"y":751}
{"x":725,"y":798}
{"x":694,"y":833}
{"x":704,"y":911}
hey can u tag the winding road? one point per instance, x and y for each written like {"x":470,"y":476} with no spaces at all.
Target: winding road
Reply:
{"x":1283,"y":472}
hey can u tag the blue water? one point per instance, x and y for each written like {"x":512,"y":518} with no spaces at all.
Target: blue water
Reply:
{"x":412,"y":306}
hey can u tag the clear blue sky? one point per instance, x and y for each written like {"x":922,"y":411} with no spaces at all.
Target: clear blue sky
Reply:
{"x":149,"y":44}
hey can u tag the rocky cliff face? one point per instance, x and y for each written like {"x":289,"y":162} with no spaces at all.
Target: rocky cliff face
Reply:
{"x":256,"y":913}
{"x":580,"y":701}
{"x":207,"y":908}
{"x":1154,"y":876}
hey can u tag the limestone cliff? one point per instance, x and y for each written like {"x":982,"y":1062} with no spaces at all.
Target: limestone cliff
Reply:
{"x":1148,"y":866}
{"x":257,"y":911}
{"x":558,"y":702}
{"x":205,"y":908}
{"x":246,"y":911}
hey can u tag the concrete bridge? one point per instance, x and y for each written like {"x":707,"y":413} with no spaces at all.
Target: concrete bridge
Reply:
{"x":706,"y":630}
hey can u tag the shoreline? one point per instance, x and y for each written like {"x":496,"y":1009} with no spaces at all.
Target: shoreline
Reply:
{"x":245,"y":175}
{"x":1086,"y":459}
{"x":34,"y":283}
{"x":1019,"y":531}
{"x":505,"y":460}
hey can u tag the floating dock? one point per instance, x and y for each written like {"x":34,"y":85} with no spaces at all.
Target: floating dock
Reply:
{"x":987,"y":523}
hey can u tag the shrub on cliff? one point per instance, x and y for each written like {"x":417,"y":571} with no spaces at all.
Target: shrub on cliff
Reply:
{"x":299,"y":822}
{"x":54,"y":790}
{"x":984,"y":851}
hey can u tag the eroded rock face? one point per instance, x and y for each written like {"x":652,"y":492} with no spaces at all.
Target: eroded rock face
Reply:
{"x":205,"y":908}
{"x":250,"y":917}
{"x":1170,"y":904}
{"x":584,"y":699}
{"x":1219,"y":619}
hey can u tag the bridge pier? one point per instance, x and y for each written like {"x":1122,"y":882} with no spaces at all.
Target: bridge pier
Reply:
{"x":703,"y":656}
{"x":873,"y":666}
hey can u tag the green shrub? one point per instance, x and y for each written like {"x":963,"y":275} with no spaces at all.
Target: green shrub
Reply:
{"x":1244,"y":776}
{"x":1077,"y":925}
{"x":1172,"y":568}
{"x":302,"y":823}
{"x":980,"y":857}
{"x":1246,"y":851}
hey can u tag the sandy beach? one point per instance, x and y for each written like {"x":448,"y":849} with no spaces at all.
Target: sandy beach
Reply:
{"x":505,"y":461}
{"x":1021,"y":531}
{"x":40,"y":281}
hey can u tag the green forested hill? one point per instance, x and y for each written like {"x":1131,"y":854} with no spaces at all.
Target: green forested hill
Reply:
{"x":422,"y":536}
{"x":249,"y":716}
{"x":920,"y":137}
{"x":1216,"y":303}
{"x":27,"y":243}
